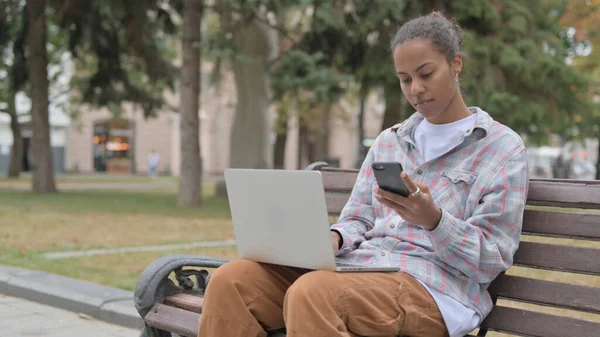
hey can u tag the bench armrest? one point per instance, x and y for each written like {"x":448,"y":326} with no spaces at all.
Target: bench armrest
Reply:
{"x":154,"y":284}
{"x":315,"y":166}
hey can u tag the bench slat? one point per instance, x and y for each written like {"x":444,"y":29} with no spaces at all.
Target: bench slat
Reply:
{"x":335,"y":203}
{"x":182,"y":322}
{"x":338,"y":181}
{"x":186,"y":323}
{"x":575,"y":193}
{"x":187,"y":301}
{"x":558,"y":257}
{"x":530,"y":254}
{"x":179,"y":321}
{"x":548,"y":293}
{"x":546,"y":192}
{"x":338,"y":170}
{"x":545,"y":223}
{"x":529,"y":323}
{"x":571,"y":225}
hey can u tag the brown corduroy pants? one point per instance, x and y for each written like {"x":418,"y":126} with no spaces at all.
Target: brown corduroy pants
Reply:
{"x":246,"y":298}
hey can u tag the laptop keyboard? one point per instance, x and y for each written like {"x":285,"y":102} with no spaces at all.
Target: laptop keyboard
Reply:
{"x":347,"y":264}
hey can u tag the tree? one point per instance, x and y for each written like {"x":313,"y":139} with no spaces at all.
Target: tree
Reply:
{"x":14,"y":68}
{"x":191,"y":164}
{"x":43,"y":169}
{"x":16,"y":152}
{"x":114,"y":41}
{"x":303,"y":83}
{"x":253,"y":44}
{"x":516,"y":65}
{"x":256,"y":37}
{"x":122,"y":50}
{"x":353,"y":37}
{"x":11,"y":15}
{"x":583,"y":18}
{"x":515,"y":59}
{"x":508,"y":45}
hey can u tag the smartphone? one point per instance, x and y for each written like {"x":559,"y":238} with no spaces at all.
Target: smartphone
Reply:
{"x":388,"y":178}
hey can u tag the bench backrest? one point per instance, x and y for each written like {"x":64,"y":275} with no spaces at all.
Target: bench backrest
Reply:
{"x":556,"y":209}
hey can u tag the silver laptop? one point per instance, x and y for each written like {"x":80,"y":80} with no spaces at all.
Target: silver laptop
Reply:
{"x":280,"y":217}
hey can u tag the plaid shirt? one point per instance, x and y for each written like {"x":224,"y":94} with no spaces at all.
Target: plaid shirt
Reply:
{"x":480,"y":185}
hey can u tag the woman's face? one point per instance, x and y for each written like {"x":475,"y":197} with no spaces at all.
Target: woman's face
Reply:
{"x":426,"y":78}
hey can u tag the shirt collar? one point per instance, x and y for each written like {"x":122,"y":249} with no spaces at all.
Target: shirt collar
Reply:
{"x":483,"y":122}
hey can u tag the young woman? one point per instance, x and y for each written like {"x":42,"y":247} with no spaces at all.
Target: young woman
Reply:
{"x":458,"y":229}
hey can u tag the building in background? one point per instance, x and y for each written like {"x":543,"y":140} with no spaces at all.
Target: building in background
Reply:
{"x":58,"y":115}
{"x":99,"y":143}
{"x":59,"y":133}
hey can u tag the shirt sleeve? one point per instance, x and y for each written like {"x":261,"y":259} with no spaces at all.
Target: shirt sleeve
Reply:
{"x":357,"y":216}
{"x":484,"y":245}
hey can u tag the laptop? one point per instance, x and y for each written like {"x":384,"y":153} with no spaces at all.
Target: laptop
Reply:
{"x":280,"y":217}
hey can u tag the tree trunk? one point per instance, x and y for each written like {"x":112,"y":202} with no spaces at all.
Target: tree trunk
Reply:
{"x":250,"y":145}
{"x":323,"y":146}
{"x":361,"y":127}
{"x":394,"y":107}
{"x":279,"y":151}
{"x":16,"y":153}
{"x":43,"y":169}
{"x":327,"y":128}
{"x":302,"y":145}
{"x":318,"y":137}
{"x":312,"y":150}
{"x":190,"y":180}
{"x":281,"y":130}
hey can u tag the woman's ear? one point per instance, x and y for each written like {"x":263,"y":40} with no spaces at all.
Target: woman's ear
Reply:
{"x":457,"y":63}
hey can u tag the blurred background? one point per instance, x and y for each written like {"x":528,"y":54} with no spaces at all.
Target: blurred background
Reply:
{"x":281,"y":83}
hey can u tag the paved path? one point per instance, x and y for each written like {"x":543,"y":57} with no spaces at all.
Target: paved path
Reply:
{"x":19,"y":317}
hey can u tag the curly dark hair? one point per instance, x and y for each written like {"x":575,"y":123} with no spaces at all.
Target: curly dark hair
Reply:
{"x":444,"y":33}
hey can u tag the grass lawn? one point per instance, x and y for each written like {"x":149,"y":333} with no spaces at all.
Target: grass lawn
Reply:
{"x":115,"y":270}
{"x":33,"y":224}
{"x":76,"y":220}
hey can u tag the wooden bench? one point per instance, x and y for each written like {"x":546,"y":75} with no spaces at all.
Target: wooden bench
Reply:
{"x":167,"y":307}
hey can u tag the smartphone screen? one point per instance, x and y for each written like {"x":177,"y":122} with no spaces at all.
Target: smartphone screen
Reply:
{"x":388,"y":178}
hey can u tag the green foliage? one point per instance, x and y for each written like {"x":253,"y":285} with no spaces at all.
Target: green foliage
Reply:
{"x":515,"y":54}
{"x":9,"y":23}
{"x":123,"y":51}
{"x":13,"y":66}
{"x":14,"y":73}
{"x":346,"y":40}
{"x":517,"y":69}
{"x":583,"y":20}
{"x":302,"y":72}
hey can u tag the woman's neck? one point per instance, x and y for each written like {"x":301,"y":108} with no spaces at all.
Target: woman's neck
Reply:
{"x":456,"y":110}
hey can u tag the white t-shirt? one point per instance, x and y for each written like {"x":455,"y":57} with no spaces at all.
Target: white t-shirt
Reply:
{"x":432,"y":141}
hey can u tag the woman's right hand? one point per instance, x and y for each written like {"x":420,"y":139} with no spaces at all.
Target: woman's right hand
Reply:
{"x":335,"y":241}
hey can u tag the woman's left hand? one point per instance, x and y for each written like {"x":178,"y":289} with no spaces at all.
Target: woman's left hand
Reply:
{"x":418,"y":208}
